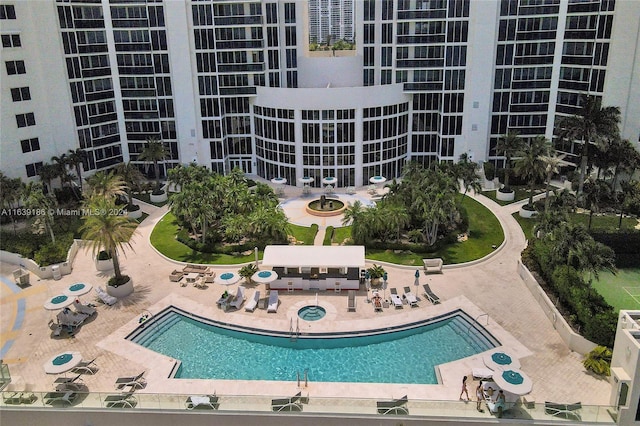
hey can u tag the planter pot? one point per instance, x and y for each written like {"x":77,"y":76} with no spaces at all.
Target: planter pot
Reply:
{"x":527,"y":213}
{"x":505,"y":196}
{"x":121,"y":291}
{"x":104,"y":265}
{"x":376,"y":281}
{"x":158,"y":198}
{"x":136,"y":214}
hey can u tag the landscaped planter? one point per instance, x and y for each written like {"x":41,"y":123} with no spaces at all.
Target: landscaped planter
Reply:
{"x":104,"y":265}
{"x":121,"y":291}
{"x":527,"y":213}
{"x":505,"y":196}
{"x":135,"y":214}
{"x":160,"y":198}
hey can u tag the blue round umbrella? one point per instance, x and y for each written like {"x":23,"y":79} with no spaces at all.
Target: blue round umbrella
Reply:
{"x":499,"y":360}
{"x":264,"y":276}
{"x":227,"y":278}
{"x":62,"y":362}
{"x":77,"y":289}
{"x":58,"y":302}
{"x":514,"y":381}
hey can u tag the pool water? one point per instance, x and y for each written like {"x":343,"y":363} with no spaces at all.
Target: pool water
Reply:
{"x":408,"y":356}
{"x":312,"y":313}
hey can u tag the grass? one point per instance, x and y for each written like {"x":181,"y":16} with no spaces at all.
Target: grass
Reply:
{"x":522,"y":193}
{"x":600,"y":223}
{"x":340,"y":235}
{"x":163,"y":238}
{"x":144,"y":196}
{"x":306,"y":234}
{"x":611,"y":288}
{"x":484,"y":233}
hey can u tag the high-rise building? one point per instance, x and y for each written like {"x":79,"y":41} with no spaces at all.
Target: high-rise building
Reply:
{"x":330,"y":20}
{"x":232,"y":84}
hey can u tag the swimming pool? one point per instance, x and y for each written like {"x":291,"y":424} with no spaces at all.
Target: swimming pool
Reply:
{"x":393,"y":355}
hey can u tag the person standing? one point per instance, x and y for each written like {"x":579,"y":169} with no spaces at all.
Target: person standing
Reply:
{"x":464,"y":388}
{"x":480,"y":396}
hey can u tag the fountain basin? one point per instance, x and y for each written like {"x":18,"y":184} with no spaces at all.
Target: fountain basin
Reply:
{"x":312,"y":313}
{"x":332,"y":207}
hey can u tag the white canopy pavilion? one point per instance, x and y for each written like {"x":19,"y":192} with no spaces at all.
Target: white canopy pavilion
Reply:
{"x":315,"y":267}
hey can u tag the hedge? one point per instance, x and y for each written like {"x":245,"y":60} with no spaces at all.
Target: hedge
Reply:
{"x":626,"y":246}
{"x":328,"y":236}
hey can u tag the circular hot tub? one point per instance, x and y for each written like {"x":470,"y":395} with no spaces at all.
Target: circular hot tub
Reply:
{"x":312,"y":313}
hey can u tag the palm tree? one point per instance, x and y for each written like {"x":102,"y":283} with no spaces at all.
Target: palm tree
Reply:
{"x":10,"y":194}
{"x":594,"y":124}
{"x":60,"y":163}
{"x":508,"y":145}
{"x":552,"y":163}
{"x":465,"y":171}
{"x":530,"y":164}
{"x":76,"y":159}
{"x":106,"y":184}
{"x":351,"y":213}
{"x":44,"y":204}
{"x":47,"y":173}
{"x":132,"y":177}
{"x":595,"y":192}
{"x":108,"y":231}
{"x":154,"y":152}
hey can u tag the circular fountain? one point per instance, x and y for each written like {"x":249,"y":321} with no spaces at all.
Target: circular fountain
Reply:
{"x":325,"y":207}
{"x":312,"y":313}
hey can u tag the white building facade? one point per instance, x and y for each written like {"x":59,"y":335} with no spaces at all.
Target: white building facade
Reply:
{"x":330,"y":18}
{"x":232,"y":84}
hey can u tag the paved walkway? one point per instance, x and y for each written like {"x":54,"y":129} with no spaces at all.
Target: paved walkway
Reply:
{"x":492,"y":287}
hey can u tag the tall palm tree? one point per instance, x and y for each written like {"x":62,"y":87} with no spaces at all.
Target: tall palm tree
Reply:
{"x":465,"y":170}
{"x":131,"y":176}
{"x":47,"y":173}
{"x":76,"y":159}
{"x":154,"y":152}
{"x":351,"y":213}
{"x":106,"y":184}
{"x":35,"y":199}
{"x":530,"y":164}
{"x":10,"y":194}
{"x":61,"y":163}
{"x":595,"y":192}
{"x":552,"y":163}
{"x":509,"y":145}
{"x":594,"y":124}
{"x":108,"y":231}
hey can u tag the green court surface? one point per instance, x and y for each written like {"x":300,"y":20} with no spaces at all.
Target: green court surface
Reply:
{"x":622,"y":291}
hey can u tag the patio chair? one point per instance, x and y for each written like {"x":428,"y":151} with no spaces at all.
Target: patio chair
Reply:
{"x":238,"y":299}
{"x":60,"y":397}
{"x":65,"y":384}
{"x":351,"y":301}
{"x":205,"y":401}
{"x":395,"y":299}
{"x":11,"y":396}
{"x":56,"y":329}
{"x":253,"y":302}
{"x":564,"y":410}
{"x":123,"y":400}
{"x":86,"y":367}
{"x":105,"y":297}
{"x":395,"y":406}
{"x":273,"y":301}
{"x":210,"y":278}
{"x":201,"y":284}
{"x":287,"y":404}
{"x":70,"y":319}
{"x":83,"y":309}
{"x":175,"y":276}
{"x":137,"y":381}
{"x":430,"y":294}
{"x":411,"y":298}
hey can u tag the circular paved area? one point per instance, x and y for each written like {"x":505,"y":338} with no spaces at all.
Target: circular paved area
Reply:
{"x":492,"y":287}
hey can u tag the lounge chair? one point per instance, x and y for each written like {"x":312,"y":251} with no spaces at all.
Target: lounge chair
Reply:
{"x":137,"y":381}
{"x":11,"y":396}
{"x":64,"y":397}
{"x":105,"y":297}
{"x":396,"y":406}
{"x":124,"y":400}
{"x":377,"y":302}
{"x":210,"y":278}
{"x":395,"y":299}
{"x":411,"y":298}
{"x":481,"y":373}
{"x":204,"y":401}
{"x":70,"y":319}
{"x":56,"y":329}
{"x":200,"y":283}
{"x":175,"y":276}
{"x":430,"y":294}
{"x":238,"y":299}
{"x":86,"y":367}
{"x":288,"y":404}
{"x":564,"y":410}
{"x":273,"y":301}
{"x":83,"y":309}
{"x":253,"y":302}
{"x":65,"y":384}
{"x":351,"y":301}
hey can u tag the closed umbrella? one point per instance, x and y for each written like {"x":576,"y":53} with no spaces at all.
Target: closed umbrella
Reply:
{"x":62,"y":362}
{"x":513,"y":381}
{"x":58,"y":302}
{"x":264,"y":276}
{"x":227,"y":278}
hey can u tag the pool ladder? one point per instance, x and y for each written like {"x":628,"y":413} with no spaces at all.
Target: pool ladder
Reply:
{"x":293,"y":334}
{"x":306,"y":377}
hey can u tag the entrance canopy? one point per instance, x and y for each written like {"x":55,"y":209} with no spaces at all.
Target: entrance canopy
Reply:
{"x":314,"y":256}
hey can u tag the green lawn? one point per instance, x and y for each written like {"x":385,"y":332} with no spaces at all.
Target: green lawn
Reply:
{"x":306,"y":234}
{"x":527,"y":224}
{"x":616,"y":288}
{"x":163,"y":238}
{"x":522,"y":193}
{"x":603,"y":223}
{"x":341,"y":234}
{"x":484,"y":232}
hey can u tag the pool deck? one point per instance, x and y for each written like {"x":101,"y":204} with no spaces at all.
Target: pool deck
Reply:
{"x":490,"y":287}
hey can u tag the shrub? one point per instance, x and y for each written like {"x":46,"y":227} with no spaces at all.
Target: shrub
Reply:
{"x":626,"y":246}
{"x":103,"y":255}
{"x":328,"y":236}
{"x":489,"y":170}
{"x":52,"y":253}
{"x":599,"y":360}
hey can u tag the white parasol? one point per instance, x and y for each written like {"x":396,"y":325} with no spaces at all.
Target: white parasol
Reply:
{"x":279,"y":181}
{"x":78,"y":289}
{"x":227,"y":278}
{"x":330,"y":180}
{"x":377,"y":179}
{"x":306,"y":179}
{"x":513,"y":381}
{"x":264,"y":276}
{"x":58,"y":302}
{"x":499,"y":360}
{"x":62,"y":362}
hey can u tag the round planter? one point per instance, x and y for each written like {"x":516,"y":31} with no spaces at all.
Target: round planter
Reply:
{"x":136,"y":214}
{"x":158,"y":198}
{"x":121,"y":291}
{"x":505,"y":196}
{"x":104,"y":265}
{"x":527,"y":213}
